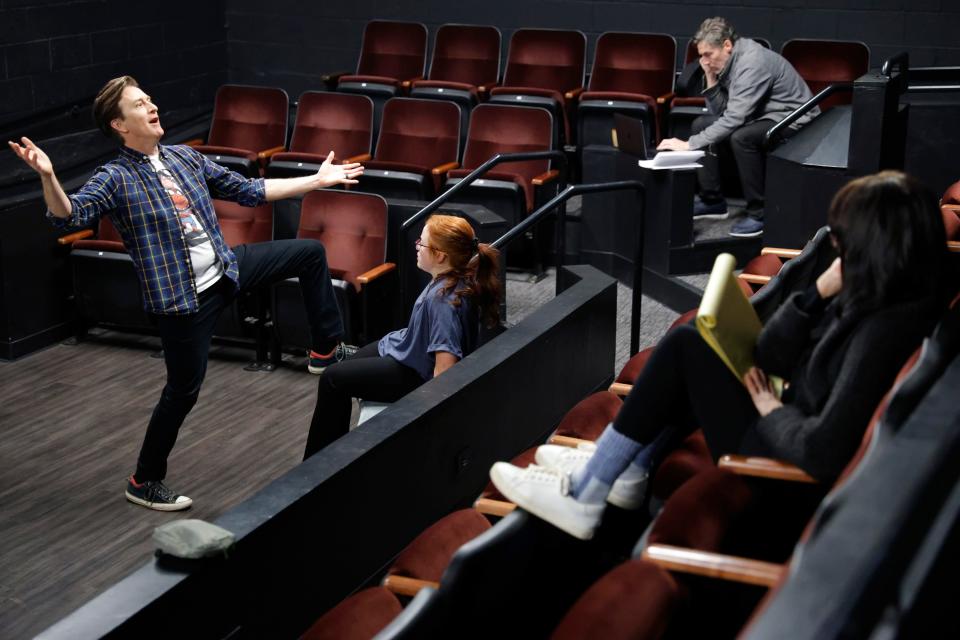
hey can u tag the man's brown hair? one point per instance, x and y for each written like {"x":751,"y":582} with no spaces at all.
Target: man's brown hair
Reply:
{"x":106,"y":106}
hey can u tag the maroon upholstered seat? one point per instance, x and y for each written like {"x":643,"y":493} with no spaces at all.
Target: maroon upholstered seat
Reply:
{"x":543,"y":66}
{"x":635,"y":599}
{"x":249,"y":125}
{"x":353,"y":229}
{"x":427,"y":557}
{"x":465,"y":57}
{"x":589,"y":417}
{"x":506,"y":129}
{"x":244,"y":225}
{"x":825,"y":62}
{"x":418,"y":137}
{"x":108,"y":239}
{"x":338,"y":122}
{"x":630,"y":71}
{"x":359,"y":617}
{"x":391,"y":53}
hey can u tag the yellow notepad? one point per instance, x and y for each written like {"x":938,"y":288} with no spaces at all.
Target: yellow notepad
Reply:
{"x":727,"y":321}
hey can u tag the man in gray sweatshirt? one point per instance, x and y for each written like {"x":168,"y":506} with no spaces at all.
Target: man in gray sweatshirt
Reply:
{"x":748,"y":89}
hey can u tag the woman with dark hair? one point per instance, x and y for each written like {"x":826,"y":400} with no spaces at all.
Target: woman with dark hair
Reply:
{"x":465,"y":288}
{"x":838,"y":344}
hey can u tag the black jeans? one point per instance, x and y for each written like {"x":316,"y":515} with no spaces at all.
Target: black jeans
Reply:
{"x":186,"y":338}
{"x":366,"y":375}
{"x":685,"y":385}
{"x":746,"y":143}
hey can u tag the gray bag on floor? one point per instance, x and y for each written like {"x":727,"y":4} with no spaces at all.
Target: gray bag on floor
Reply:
{"x":192,"y":539}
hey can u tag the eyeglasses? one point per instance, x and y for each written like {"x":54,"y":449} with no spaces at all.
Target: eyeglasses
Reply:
{"x":419,"y":244}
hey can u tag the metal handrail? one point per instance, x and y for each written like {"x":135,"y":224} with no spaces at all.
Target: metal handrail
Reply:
{"x":483,"y":168}
{"x":555,"y":203}
{"x":800,"y":111}
{"x":901,"y":61}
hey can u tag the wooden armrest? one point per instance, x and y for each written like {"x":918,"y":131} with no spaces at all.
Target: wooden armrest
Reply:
{"x":485,"y":88}
{"x":363,"y":157}
{"x":665,"y":98}
{"x":545,"y":177}
{"x":753,"y":278}
{"x":714,"y":565}
{"x":404,"y":586}
{"x":490,"y":507}
{"x":70,"y":238}
{"x":764,"y":468}
{"x":567,"y":441}
{"x":376,"y":272}
{"x":194,"y":142}
{"x":266,"y":153}
{"x":780,"y":252}
{"x":621,"y":388}
{"x":573,"y":93}
{"x":439,"y":170}
{"x":953,"y":246}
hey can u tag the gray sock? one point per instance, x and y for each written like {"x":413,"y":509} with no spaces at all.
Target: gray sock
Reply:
{"x":614,"y":453}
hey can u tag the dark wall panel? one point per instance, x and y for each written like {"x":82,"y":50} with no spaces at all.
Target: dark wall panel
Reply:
{"x":55,"y":53}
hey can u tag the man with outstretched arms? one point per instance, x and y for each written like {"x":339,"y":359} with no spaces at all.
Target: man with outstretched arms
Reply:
{"x":160,"y":199}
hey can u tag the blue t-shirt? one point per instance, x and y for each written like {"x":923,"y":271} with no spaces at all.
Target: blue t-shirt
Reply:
{"x":435,"y":325}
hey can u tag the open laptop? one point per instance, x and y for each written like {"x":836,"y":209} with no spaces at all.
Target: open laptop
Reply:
{"x":630,"y":135}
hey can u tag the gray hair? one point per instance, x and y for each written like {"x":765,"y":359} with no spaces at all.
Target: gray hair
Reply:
{"x":714,"y":31}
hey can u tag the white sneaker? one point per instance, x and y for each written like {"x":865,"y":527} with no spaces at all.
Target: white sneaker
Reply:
{"x":544,"y":492}
{"x":627,"y":492}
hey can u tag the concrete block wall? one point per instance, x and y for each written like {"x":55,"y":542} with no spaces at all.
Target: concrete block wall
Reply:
{"x":55,"y":52}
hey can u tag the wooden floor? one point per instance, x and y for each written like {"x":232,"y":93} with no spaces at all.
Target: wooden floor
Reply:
{"x":72,"y":420}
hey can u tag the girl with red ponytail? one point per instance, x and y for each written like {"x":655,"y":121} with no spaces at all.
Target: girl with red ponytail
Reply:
{"x":443,"y":328}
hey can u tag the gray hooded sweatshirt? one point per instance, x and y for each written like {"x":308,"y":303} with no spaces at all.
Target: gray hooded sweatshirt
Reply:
{"x":755,"y":84}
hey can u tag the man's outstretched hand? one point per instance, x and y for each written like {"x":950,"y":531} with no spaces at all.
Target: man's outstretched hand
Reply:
{"x":330,"y":174}
{"x":33,"y":156}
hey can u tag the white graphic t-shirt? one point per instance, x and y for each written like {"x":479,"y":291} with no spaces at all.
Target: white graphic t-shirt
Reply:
{"x":206,"y":266}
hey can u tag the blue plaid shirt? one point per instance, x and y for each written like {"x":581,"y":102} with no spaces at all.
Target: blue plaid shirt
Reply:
{"x":128,"y":190}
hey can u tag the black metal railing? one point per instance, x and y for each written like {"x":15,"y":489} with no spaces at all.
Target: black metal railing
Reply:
{"x":774,"y":132}
{"x":467,"y":180}
{"x":557,"y":202}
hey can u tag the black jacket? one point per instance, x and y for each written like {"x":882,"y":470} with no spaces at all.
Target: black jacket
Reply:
{"x":839,"y":365}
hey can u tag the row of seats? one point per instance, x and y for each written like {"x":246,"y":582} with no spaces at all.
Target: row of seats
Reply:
{"x":546,"y":67}
{"x":711,"y":512}
{"x":417,"y":154}
{"x":633,"y":73}
{"x":352,"y":227}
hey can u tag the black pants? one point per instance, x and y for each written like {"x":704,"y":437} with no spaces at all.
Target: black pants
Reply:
{"x":685,"y":385}
{"x":746,"y":144}
{"x":366,"y":375}
{"x":186,"y":338}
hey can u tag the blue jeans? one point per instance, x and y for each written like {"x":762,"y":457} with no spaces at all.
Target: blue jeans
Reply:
{"x":186,"y":338}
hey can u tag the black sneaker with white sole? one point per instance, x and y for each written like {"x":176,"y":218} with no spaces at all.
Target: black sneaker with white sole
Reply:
{"x":153,"y":494}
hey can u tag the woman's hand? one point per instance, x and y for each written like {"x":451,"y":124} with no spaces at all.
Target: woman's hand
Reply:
{"x":761,"y":391}
{"x":831,"y":281}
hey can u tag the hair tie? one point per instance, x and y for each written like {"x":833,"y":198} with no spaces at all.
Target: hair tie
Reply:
{"x":476,"y":244}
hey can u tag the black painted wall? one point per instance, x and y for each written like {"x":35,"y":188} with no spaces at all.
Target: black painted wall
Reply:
{"x":291,"y":44}
{"x":53,"y":53}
